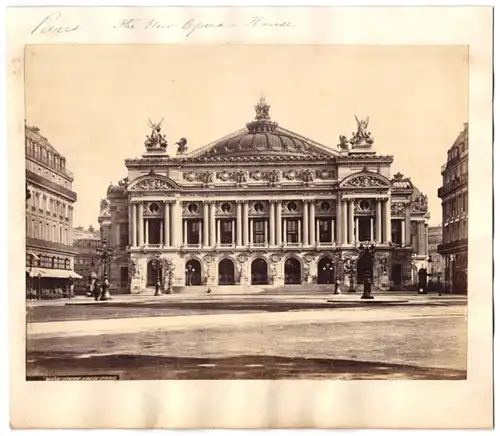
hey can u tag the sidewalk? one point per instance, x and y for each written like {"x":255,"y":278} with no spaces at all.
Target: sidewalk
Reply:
{"x":388,"y":296}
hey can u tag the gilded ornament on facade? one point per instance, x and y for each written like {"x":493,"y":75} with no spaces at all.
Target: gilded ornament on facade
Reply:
{"x":224,"y":176}
{"x":307,"y":176}
{"x":274,"y":176}
{"x":191,"y":176}
{"x":290,"y":175}
{"x":420,"y":204}
{"x":257,"y":175}
{"x":181,"y":146}
{"x":241,"y":176}
{"x":242,"y":258}
{"x":207,"y":177}
{"x":275,"y":257}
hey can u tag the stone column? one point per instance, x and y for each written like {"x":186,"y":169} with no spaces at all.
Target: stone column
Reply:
{"x":266,"y":232}
{"x":371,"y":228}
{"x":284,"y":232}
{"x":233,"y":231}
{"x":245,"y":223}
{"x":408,"y":224}
{"x":378,"y":221}
{"x":352,"y":236}
{"x":212,"y":224}
{"x":218,"y":238}
{"x":134,"y":224}
{"x":185,"y":231}
{"x":161,"y":232}
{"x":333,"y":231}
{"x":356,"y":229}
{"x":146,"y":231}
{"x":305,"y":219}
{"x":388,"y":221}
{"x":238,"y":223}
{"x":177,"y":223}
{"x":338,"y":221}
{"x":166,"y":224}
{"x":299,"y":232}
{"x":206,"y":224}
{"x":141,"y":224}
{"x":312,"y":223}
{"x":130,"y":211}
{"x":344,"y":222}
{"x":272,"y":223}
{"x":421,"y":238}
{"x":426,"y":238}
{"x":403,"y":233}
{"x":251,"y":231}
{"x":279,"y":238}
{"x":317,"y":230}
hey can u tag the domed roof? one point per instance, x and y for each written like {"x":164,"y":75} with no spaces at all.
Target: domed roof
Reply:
{"x":263,"y":137}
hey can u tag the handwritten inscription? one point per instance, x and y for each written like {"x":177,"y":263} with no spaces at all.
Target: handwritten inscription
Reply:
{"x":192,"y":25}
{"x":53,"y":24}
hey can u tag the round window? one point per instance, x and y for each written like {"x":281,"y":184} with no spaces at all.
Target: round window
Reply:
{"x":226,"y":207}
{"x":258,"y":207}
{"x":325,"y":206}
{"x":292,"y":207}
{"x":364,"y":205}
{"x":192,"y":208}
{"x":153,"y":207}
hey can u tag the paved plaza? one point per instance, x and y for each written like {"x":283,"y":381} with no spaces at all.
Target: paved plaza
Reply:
{"x":250,"y":337}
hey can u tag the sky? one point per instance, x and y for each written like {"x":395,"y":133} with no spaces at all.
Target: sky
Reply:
{"x":93,"y":102}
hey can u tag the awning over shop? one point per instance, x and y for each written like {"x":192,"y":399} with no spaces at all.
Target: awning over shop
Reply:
{"x":53,"y":273}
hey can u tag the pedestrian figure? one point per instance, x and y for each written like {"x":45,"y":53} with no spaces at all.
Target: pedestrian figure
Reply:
{"x":97,"y":289}
{"x":337,"y":287}
{"x":367,"y":286}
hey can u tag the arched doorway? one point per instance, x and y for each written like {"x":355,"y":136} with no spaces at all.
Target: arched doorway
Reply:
{"x":293,"y":272}
{"x":326,"y":271}
{"x":154,"y":274}
{"x":226,"y":272}
{"x":193,"y":273}
{"x":365,"y":263}
{"x":259,"y":272}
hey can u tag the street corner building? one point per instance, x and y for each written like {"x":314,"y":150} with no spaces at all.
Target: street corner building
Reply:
{"x":263,"y":207}
{"x":48,"y":216}
{"x":454,"y":200}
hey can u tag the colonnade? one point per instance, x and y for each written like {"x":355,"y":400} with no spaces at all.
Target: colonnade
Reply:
{"x":344,"y":224}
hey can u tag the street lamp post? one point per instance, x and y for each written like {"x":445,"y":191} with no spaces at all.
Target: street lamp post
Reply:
{"x":157,"y":263}
{"x":439,"y":282}
{"x":367,"y":249}
{"x":105,"y":253}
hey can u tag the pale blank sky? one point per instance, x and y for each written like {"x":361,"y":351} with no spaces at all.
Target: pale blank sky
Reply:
{"x":93,"y":102}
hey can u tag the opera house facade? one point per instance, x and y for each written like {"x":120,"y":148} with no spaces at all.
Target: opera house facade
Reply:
{"x":263,"y":206}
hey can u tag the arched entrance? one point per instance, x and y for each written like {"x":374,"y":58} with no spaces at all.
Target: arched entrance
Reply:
{"x":293,"y":272}
{"x":259,"y":272}
{"x":226,"y":272}
{"x":154,"y":273}
{"x":326,"y":271}
{"x":365,"y":263}
{"x":193,"y":273}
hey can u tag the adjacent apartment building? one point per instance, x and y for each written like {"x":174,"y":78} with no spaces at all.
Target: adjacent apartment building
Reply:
{"x":454,"y":198}
{"x":85,"y":242}
{"x":49,"y":216}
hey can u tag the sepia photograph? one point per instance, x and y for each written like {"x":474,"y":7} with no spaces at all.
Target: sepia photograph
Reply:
{"x":246,"y":212}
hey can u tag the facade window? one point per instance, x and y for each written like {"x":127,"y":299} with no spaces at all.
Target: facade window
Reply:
{"x":396,"y":232}
{"x":226,"y":231}
{"x":325,"y":230}
{"x":193,"y":231}
{"x":259,"y":231}
{"x":292,"y":206}
{"x":226,"y":207}
{"x":325,"y":206}
{"x":192,"y":208}
{"x":292,"y":231}
{"x":258,"y":207}
{"x":124,"y":236}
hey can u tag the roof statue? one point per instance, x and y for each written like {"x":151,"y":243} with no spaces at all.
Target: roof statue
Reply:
{"x":360,"y":139}
{"x":182,"y":146}
{"x":156,"y":139}
{"x":262,"y":122}
{"x":262,"y":109}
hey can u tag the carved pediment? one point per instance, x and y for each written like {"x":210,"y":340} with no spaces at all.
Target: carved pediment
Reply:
{"x":365,"y":181}
{"x":151,"y":184}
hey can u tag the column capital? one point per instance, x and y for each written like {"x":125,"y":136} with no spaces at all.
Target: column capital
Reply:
{"x":274,"y":201}
{"x":241,"y":201}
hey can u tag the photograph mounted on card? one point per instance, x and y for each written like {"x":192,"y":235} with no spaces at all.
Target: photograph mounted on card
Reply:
{"x":210,"y":221}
